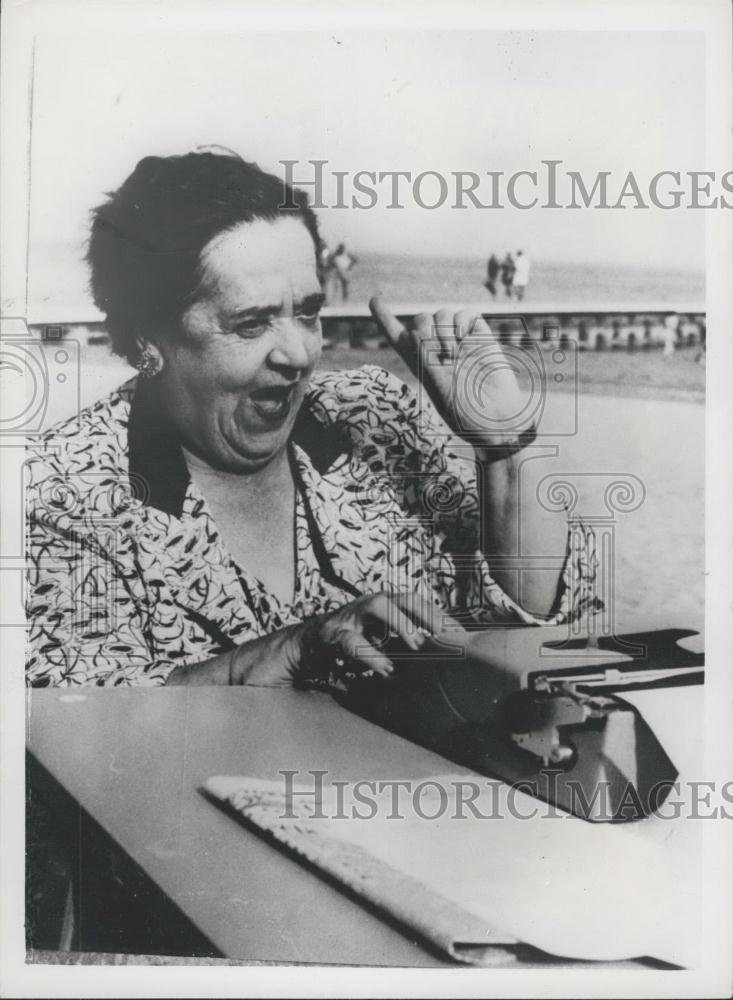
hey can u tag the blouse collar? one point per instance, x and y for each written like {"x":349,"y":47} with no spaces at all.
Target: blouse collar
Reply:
{"x":155,"y":457}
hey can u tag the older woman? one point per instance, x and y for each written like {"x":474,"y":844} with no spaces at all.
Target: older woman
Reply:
{"x":232,"y":516}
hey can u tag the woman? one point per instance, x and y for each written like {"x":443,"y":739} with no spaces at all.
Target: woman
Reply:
{"x":231,"y":517}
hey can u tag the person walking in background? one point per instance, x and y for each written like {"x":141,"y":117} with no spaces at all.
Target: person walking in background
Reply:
{"x":507,"y":274}
{"x":324,"y":260}
{"x":342,"y":262}
{"x":670,"y":336}
{"x":702,"y":353}
{"x":521,"y":274}
{"x":492,"y":272}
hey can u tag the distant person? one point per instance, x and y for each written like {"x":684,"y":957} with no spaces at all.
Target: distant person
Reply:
{"x":342,"y":262}
{"x":521,"y":274}
{"x":324,"y":258}
{"x":492,"y":273}
{"x":702,"y":353}
{"x":507,"y":274}
{"x":670,"y":336}
{"x":325,"y":270}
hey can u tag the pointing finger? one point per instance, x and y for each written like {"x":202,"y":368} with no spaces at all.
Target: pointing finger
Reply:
{"x":395,"y":331}
{"x":445,"y":332}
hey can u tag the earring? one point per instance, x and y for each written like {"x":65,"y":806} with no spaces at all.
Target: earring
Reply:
{"x":148,"y":362}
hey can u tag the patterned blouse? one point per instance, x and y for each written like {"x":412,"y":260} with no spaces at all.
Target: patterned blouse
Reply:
{"x":128,"y":572}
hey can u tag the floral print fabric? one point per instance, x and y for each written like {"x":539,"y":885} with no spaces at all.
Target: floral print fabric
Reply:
{"x":122,"y":586}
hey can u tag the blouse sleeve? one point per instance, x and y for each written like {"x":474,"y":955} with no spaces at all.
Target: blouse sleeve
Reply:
{"x":440,"y":484}
{"x":84,"y":626}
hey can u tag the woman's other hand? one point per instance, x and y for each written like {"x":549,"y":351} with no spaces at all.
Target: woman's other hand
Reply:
{"x":463,"y":368}
{"x":337,"y":645}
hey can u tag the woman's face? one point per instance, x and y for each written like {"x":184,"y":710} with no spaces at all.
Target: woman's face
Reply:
{"x":235,"y":379}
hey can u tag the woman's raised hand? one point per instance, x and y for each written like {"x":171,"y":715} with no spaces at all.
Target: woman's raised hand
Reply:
{"x":463,"y":368}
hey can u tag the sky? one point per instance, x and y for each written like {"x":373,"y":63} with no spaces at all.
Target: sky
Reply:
{"x":473,"y":101}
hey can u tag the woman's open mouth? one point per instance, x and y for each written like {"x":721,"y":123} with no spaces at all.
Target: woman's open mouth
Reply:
{"x":274,"y":403}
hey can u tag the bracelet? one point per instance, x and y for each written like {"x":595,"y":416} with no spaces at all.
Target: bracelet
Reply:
{"x":500,"y":452}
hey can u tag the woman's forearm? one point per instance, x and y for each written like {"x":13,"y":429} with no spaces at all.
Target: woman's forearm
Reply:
{"x":268,"y":661}
{"x":523,"y":542}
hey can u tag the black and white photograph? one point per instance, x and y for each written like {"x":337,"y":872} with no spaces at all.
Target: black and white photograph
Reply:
{"x":366,"y":531}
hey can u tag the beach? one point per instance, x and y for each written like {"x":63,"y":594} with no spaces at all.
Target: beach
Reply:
{"x":638,"y":412}
{"x":435,"y":279}
{"x":58,"y":278}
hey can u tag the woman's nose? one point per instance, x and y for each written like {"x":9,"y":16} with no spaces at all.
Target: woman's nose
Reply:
{"x":290,"y":349}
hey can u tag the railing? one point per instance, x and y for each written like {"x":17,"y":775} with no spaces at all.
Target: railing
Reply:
{"x":603,"y":326}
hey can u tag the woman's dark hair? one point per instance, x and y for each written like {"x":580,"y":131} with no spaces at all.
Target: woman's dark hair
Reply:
{"x":146,"y":240}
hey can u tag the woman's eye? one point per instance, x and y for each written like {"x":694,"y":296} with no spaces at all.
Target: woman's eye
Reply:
{"x":255,"y":327}
{"x":250,"y":329}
